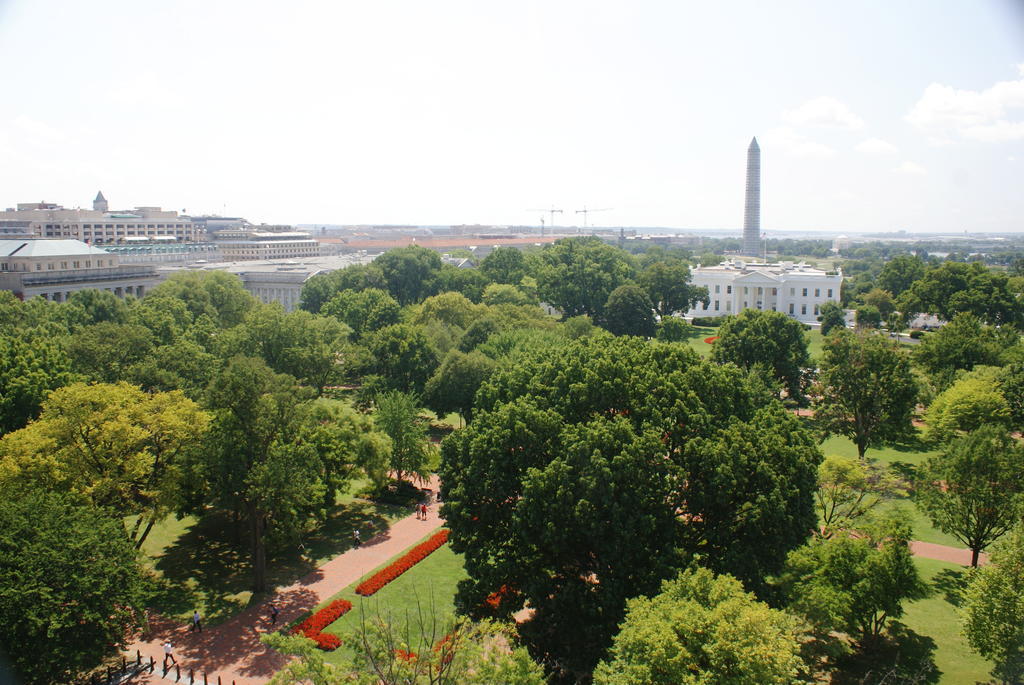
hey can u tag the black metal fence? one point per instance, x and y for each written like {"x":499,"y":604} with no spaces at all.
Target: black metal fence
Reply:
{"x":130,"y":668}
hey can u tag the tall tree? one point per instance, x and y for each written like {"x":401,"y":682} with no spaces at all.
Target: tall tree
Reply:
{"x":403,"y":356}
{"x":962,"y":344}
{"x":320,"y":288}
{"x":31,"y":366}
{"x":899,"y":273}
{"x":576,"y":275}
{"x":217,"y":294}
{"x":504,"y":265}
{"x":866,"y":390}
{"x":453,"y":386}
{"x":398,"y":416}
{"x":593,"y":469}
{"x":105,"y":352}
{"x":256,"y":465}
{"x":968,"y":404}
{"x":993,"y":606}
{"x":668,"y":285}
{"x":364,"y":311}
{"x":953,"y":288}
{"x":410,"y":273}
{"x":769,"y":339}
{"x":71,"y":590}
{"x":117,"y":446}
{"x":974,"y":490}
{"x":629,"y":312}
{"x":702,"y":628}
{"x":854,"y":585}
{"x":832,"y":318}
{"x":850,"y":490}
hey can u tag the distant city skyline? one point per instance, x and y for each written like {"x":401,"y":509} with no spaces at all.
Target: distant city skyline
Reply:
{"x":872,"y":117}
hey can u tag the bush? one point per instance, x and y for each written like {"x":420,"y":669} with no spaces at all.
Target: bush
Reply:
{"x":917,"y":335}
{"x":401,"y":493}
{"x":708,"y":321}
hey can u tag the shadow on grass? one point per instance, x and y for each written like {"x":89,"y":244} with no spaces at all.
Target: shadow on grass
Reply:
{"x":208,"y":567}
{"x":901,"y":656}
{"x":951,"y":583}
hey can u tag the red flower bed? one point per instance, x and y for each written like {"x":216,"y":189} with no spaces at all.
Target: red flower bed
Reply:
{"x":711,"y":339}
{"x":400,"y":566}
{"x":313,"y":625}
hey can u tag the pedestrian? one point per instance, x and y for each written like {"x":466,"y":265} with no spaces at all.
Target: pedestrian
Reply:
{"x":423,"y":511}
{"x":358,"y":536}
{"x":168,"y":654}
{"x":196,"y":625}
{"x":416,"y":508}
{"x":274,"y":611}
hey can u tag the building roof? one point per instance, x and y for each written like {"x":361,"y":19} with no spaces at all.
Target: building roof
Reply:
{"x":99,"y":197}
{"x":47,"y":248}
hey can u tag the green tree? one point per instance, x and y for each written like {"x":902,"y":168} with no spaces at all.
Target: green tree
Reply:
{"x":576,"y":275}
{"x":398,"y":416}
{"x":962,"y":344}
{"x":321,"y":287}
{"x":669,"y":288}
{"x":167,"y":318}
{"x":993,"y":604}
{"x":410,"y":273}
{"x":96,"y":306}
{"x":868,"y":316}
{"x":854,"y":585}
{"x":673,"y":329}
{"x":30,"y":368}
{"x":593,"y":469}
{"x":105,"y":352}
{"x":453,"y":386}
{"x":850,"y":490}
{"x":974,"y":490}
{"x":403,"y":356}
{"x":117,"y":446}
{"x":881,"y":300}
{"x":629,"y":312}
{"x":217,"y":294}
{"x":1011,"y":384}
{"x":953,"y":288}
{"x":71,"y":590}
{"x":504,"y":265}
{"x":470,"y":283}
{"x":500,"y":293}
{"x":256,"y":465}
{"x":702,"y":628}
{"x":968,"y":404}
{"x":450,"y":309}
{"x":771,"y":339}
{"x":364,"y":311}
{"x":866,"y":390}
{"x":183,"y":365}
{"x":346,"y":443}
{"x":899,"y":273}
{"x":832,"y":318}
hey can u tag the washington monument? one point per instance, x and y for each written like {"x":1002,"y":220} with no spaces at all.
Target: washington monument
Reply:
{"x":752,"y":210}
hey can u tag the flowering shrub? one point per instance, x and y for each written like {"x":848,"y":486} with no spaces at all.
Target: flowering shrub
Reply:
{"x":400,"y":566}
{"x":494,"y":600}
{"x":404,"y":655}
{"x":711,"y":339}
{"x":314,"y":624}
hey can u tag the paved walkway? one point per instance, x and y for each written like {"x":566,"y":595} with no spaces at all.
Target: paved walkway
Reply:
{"x":233,"y":651}
{"x":954,"y":555}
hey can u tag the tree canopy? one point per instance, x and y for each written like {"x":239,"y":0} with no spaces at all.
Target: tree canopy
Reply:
{"x":766,"y":339}
{"x":576,"y":275}
{"x":629,"y":312}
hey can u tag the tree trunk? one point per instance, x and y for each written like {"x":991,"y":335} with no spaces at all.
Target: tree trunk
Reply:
{"x":145,"y":533}
{"x":259,"y":549}
{"x":974,"y":556}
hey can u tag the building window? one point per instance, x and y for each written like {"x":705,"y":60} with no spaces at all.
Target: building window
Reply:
{"x":728,"y":305}
{"x":49,"y":266}
{"x":88,"y":263}
{"x":745,"y":290}
{"x":39,"y":267}
{"x":792,"y":291}
{"x":803,"y":309}
{"x":745,"y":304}
{"x":790,"y":307}
{"x":705,"y":306}
{"x":775,"y":292}
{"x":75,"y":264}
{"x":830,"y":292}
{"x":716,"y":305}
{"x":63,"y":265}
{"x":817,"y":292}
{"x":805,"y":294}
{"x":815,"y":310}
{"x":718,"y":289}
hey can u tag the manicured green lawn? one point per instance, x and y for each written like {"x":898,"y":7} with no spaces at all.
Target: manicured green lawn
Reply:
{"x":408,"y":602}
{"x":936,"y":618}
{"x":696,"y":342}
{"x":204,"y":564}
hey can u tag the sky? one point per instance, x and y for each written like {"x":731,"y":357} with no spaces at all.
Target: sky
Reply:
{"x":871,"y":115}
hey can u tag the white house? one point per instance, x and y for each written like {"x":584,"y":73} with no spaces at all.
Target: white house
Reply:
{"x":798,"y":290}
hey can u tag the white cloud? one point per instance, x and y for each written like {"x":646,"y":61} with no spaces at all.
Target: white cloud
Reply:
{"x":877,"y":146}
{"x":792,"y":143}
{"x":824,"y":111}
{"x":910,"y":169}
{"x":988,"y":115}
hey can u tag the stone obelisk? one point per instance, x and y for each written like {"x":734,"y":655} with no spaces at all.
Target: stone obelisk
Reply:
{"x":752,"y":209}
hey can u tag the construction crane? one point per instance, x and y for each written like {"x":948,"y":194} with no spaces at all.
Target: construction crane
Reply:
{"x":552,"y":212}
{"x":586,"y":211}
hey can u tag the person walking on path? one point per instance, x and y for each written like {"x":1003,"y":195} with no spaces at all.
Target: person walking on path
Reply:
{"x":196,"y":625}
{"x":358,"y":536}
{"x":168,"y":654}
{"x":274,"y":611}
{"x":423,"y":511}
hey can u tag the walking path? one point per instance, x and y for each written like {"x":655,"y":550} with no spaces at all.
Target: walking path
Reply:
{"x":233,"y":651}
{"x":954,"y":555}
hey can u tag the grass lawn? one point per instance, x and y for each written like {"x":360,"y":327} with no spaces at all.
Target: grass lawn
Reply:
{"x":936,"y":618}
{"x":204,"y":564}
{"x":696,"y":341}
{"x":428,"y":587}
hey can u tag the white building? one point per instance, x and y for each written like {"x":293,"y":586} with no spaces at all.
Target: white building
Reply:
{"x":797,"y":290}
{"x":265,"y":242}
{"x":56,"y":268}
